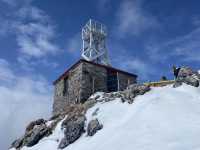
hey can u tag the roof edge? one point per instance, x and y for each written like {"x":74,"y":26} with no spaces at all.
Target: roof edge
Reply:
{"x":100,"y":65}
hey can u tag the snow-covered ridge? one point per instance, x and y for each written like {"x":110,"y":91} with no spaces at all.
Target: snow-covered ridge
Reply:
{"x":164,"y":118}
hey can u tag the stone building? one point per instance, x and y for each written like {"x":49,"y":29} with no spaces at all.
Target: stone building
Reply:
{"x":84,"y":78}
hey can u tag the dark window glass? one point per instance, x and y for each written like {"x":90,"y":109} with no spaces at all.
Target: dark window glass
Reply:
{"x":112,"y":82}
{"x":66,"y":86}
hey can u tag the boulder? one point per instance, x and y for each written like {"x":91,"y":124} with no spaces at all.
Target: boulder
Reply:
{"x":177,"y":84}
{"x":134,"y":90}
{"x":17,"y":143}
{"x":35,"y":131}
{"x":185,"y":71}
{"x":190,"y":80}
{"x":188,"y":76}
{"x":63,"y":143}
{"x":33,"y":123}
{"x":93,"y":127}
{"x":33,"y":137}
{"x":73,"y":128}
{"x":139,"y":89}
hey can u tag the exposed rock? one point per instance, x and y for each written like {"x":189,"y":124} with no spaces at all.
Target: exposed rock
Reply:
{"x":188,"y":76}
{"x":63,"y":143}
{"x":95,"y":112}
{"x":33,"y":123}
{"x":89,"y":103}
{"x":17,"y":143}
{"x":177,"y":84}
{"x":73,"y":128}
{"x":185,"y":71}
{"x":93,"y":127}
{"x":134,"y":90}
{"x":190,"y":80}
{"x":35,"y":131}
{"x":32,"y":137}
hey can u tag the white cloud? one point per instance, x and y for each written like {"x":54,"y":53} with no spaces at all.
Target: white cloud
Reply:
{"x":34,"y":39}
{"x":34,"y":30}
{"x":133,"y":19}
{"x":34,"y":13}
{"x":22,"y":99}
{"x":74,"y":44}
{"x":137,"y":66}
{"x":10,"y":2}
{"x":5,"y":73}
{"x":103,"y":6}
{"x":186,"y":47}
{"x":121,"y":58}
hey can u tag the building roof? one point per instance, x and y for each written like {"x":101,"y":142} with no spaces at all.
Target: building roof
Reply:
{"x":100,"y":65}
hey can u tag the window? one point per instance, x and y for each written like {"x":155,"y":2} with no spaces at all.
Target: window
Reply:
{"x":112,"y":82}
{"x":66,"y":86}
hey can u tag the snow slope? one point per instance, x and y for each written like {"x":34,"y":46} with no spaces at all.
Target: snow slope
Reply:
{"x":163,"y":119}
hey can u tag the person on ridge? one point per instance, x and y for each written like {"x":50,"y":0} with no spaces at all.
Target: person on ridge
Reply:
{"x":176,"y":71}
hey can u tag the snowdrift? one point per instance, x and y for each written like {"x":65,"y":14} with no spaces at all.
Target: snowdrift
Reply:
{"x":165,"y":118}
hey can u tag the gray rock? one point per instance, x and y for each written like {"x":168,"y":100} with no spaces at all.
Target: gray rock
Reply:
{"x":190,"y":80}
{"x":89,"y":103}
{"x":73,"y":128}
{"x":185,"y":71}
{"x":35,"y":131}
{"x":188,"y":76}
{"x":95,"y":112}
{"x":134,"y":90}
{"x":177,"y":84}
{"x":93,"y":127}
{"x":17,"y":143}
{"x":63,"y":143}
{"x":33,"y":123}
{"x":33,"y":137}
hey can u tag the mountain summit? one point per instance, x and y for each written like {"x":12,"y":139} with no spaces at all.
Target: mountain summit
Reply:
{"x":140,"y":117}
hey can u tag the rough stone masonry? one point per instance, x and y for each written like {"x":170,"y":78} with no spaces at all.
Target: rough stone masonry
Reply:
{"x":83,"y":79}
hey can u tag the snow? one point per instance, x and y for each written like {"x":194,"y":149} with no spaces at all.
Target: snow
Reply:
{"x":165,"y":118}
{"x":51,"y":142}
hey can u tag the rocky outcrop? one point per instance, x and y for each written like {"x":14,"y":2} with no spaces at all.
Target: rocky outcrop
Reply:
{"x":35,"y":131}
{"x":33,"y":137}
{"x":188,"y":76}
{"x":134,"y":90}
{"x":127,"y":95}
{"x":93,"y":127}
{"x":73,"y":127}
{"x":17,"y":143}
{"x":74,"y":119}
{"x":34,"y":123}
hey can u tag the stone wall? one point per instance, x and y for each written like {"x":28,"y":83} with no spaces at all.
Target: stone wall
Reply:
{"x":94,"y":78}
{"x":83,"y":80}
{"x":72,"y":93}
{"x":125,"y":80}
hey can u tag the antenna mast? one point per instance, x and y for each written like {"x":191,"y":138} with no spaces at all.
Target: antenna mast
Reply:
{"x":94,"y":42}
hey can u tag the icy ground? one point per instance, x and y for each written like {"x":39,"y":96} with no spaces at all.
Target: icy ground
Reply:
{"x":163,"y":119}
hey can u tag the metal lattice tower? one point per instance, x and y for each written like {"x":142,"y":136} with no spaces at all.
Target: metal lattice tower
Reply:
{"x":94,"y":42}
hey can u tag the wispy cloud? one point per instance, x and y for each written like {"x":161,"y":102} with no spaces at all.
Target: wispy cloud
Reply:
{"x":35,"y":39}
{"x":103,"y":6}
{"x":5,"y":73}
{"x":186,"y":48}
{"x":34,"y":30}
{"x":132,"y":19}
{"x":74,"y":44}
{"x":19,"y":94}
{"x":123,"y":59}
{"x":10,"y":2}
{"x":136,"y":65}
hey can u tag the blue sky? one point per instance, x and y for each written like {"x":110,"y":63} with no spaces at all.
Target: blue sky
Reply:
{"x":41,"y":39}
{"x":145,"y":37}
